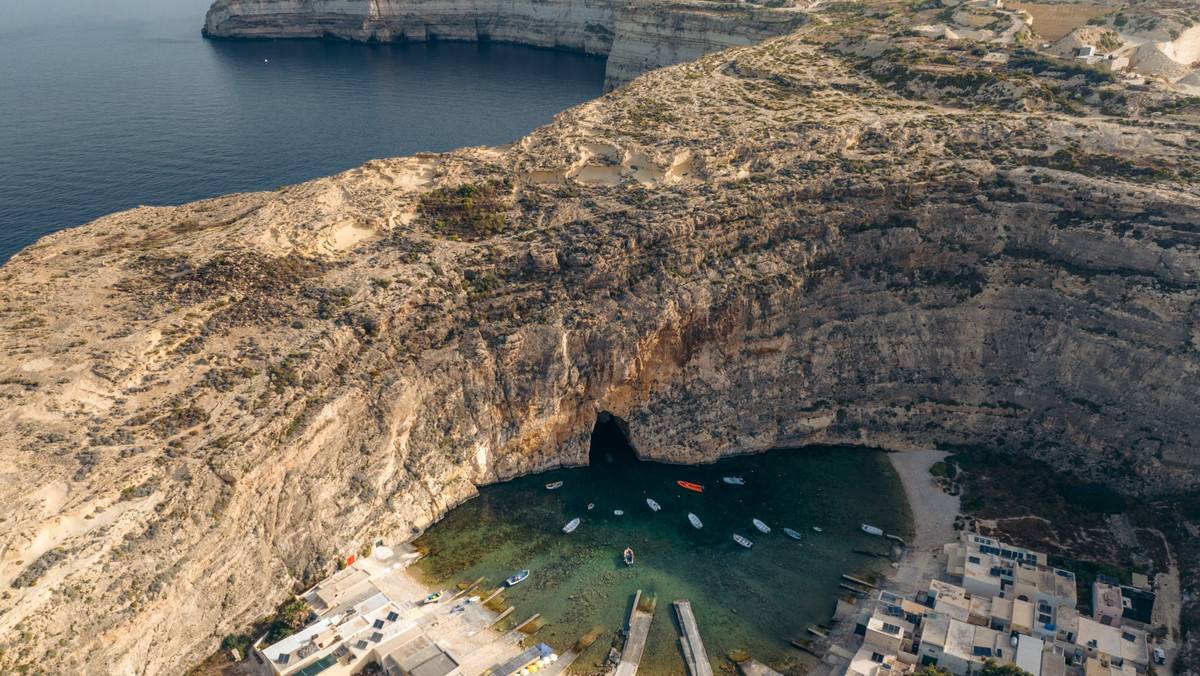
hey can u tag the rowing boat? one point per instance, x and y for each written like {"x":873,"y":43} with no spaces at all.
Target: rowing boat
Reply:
{"x":761,"y":526}
{"x":695,"y":520}
{"x":742,"y":541}
{"x":433,"y":598}
{"x":571,"y":526}
{"x":872,"y":530}
{"x":521,"y":575}
{"x":553,"y":485}
{"x":791,"y":533}
{"x":628,"y":556}
{"x":691,"y":486}
{"x":653,"y":505}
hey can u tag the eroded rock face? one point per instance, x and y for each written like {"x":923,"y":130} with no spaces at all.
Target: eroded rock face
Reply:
{"x":208,"y":404}
{"x":635,"y":36}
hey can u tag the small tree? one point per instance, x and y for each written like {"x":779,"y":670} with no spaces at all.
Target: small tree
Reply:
{"x":990,"y":668}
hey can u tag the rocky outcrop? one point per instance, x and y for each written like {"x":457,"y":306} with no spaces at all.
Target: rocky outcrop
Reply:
{"x":207,"y":405}
{"x":635,"y":36}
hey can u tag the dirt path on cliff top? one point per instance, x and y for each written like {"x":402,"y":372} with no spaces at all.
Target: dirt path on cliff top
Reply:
{"x":932,"y":509}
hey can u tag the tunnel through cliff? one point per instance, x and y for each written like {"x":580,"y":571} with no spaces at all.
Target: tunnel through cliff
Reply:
{"x":611,"y":455}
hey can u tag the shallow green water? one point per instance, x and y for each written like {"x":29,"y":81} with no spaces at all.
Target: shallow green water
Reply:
{"x":743,"y":599}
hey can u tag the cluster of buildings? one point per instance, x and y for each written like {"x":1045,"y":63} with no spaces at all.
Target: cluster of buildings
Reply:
{"x":372,"y":613}
{"x":1006,"y":604}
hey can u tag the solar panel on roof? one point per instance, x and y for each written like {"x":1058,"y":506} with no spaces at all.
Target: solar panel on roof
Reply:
{"x":377,"y":637}
{"x":283,"y":658}
{"x":379,"y":624}
{"x":392,"y":616}
{"x":361,"y":645}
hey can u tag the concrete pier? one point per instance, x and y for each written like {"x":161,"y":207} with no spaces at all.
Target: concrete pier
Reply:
{"x":639,"y":628}
{"x":693,"y":647}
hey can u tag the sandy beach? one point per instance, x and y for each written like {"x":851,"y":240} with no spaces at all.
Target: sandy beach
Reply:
{"x":933,"y":512}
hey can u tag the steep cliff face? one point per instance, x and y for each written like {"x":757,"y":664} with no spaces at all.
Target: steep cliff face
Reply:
{"x":777,"y":245}
{"x":635,"y":36}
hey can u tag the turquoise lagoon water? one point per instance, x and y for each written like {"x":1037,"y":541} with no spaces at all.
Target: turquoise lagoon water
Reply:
{"x":743,"y":599}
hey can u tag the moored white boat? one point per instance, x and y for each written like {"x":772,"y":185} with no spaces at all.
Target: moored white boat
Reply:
{"x":761,"y":526}
{"x":817,"y":528}
{"x":734,"y":480}
{"x":872,"y":530}
{"x":518,"y":577}
{"x":653,"y":505}
{"x":695,"y":520}
{"x":619,"y":512}
{"x":742,"y":541}
{"x":553,"y":485}
{"x":571,"y":525}
{"x":791,"y":533}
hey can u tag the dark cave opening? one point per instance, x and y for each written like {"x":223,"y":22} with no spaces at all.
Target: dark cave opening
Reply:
{"x":611,"y":454}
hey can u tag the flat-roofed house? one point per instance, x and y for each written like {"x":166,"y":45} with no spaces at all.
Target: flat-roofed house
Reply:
{"x":1101,"y":642}
{"x":1002,"y":614}
{"x":961,"y":647}
{"x":980,"y":611}
{"x":886,"y":632}
{"x":1029,"y":654}
{"x":950,"y":599}
{"x":1022,"y":617}
{"x":1106,"y":603}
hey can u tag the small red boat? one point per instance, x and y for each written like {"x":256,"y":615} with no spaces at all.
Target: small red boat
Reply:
{"x":691,"y":486}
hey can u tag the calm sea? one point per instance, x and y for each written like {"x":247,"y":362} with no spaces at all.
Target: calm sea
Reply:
{"x":743,"y":599}
{"x":101,"y":112}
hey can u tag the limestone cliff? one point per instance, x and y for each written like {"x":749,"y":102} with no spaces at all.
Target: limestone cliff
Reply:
{"x":812,"y":240}
{"x":635,"y":35}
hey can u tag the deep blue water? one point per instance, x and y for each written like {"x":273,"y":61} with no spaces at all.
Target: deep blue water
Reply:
{"x":104,"y":112}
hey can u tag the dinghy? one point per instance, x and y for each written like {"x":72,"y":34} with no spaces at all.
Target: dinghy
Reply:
{"x":761,"y":526}
{"x":553,"y":485}
{"x":735,"y":480}
{"x":571,"y":526}
{"x":591,"y":505}
{"x":791,"y":533}
{"x":872,"y":530}
{"x":520,"y":576}
{"x":742,"y":541}
{"x":433,"y":598}
{"x":695,"y":520}
{"x":691,"y":486}
{"x":628,"y":556}
{"x":653,"y":505}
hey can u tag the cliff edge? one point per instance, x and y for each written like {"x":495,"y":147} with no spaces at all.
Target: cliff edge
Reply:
{"x":635,"y":35}
{"x":835,"y":236}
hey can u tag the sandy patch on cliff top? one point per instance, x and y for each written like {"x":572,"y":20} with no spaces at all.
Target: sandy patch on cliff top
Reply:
{"x":349,"y":236}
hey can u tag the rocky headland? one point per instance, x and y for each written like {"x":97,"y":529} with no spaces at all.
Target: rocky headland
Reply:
{"x":848,"y":234}
{"x":634,"y":35}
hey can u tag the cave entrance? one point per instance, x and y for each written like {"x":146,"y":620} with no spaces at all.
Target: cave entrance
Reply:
{"x":611,"y":455}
